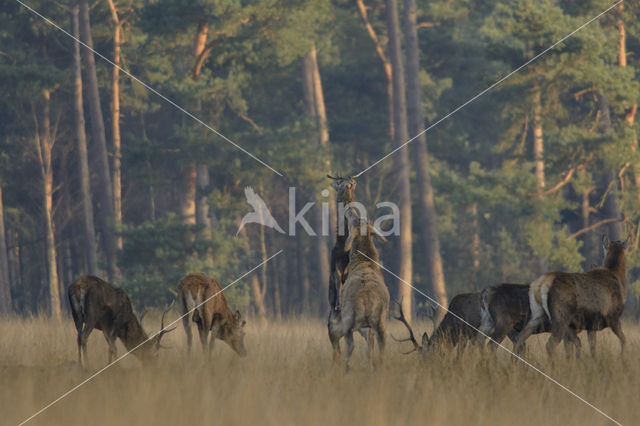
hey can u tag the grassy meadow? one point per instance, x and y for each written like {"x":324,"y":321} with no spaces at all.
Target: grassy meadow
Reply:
{"x":288,"y":378}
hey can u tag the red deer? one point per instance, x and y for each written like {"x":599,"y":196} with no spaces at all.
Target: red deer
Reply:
{"x":505,"y":311}
{"x":96,"y":304}
{"x":452,"y":330}
{"x":203,"y":295}
{"x":591,"y":301}
{"x":345,"y":194}
{"x":364,"y":296}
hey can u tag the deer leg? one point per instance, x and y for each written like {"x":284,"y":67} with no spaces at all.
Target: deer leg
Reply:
{"x":527,"y":331}
{"x":557,"y":334}
{"x":111,"y":341}
{"x":334,"y":337}
{"x":84,"y":337}
{"x":591,"y":335}
{"x":349,"y":350}
{"x":187,"y":329}
{"x":204,"y":333}
{"x":617,"y":329}
{"x":571,"y":337}
{"x":382,"y":339}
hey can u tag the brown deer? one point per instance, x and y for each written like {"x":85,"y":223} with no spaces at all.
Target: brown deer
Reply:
{"x":364,"y":296}
{"x":203,"y":295}
{"x":452,"y":330}
{"x":505,"y":311}
{"x":345,"y":194}
{"x":96,"y":304}
{"x":590,"y":301}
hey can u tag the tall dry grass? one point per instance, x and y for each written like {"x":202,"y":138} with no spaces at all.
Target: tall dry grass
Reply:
{"x":288,"y":378}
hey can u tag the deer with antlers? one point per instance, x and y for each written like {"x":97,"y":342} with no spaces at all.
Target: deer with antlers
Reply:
{"x":96,"y":304}
{"x":590,"y":301}
{"x":457,"y":328}
{"x":364,"y":295}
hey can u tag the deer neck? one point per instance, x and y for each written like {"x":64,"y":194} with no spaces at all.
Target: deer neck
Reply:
{"x":345,"y":199}
{"x":363,"y":250}
{"x":616,"y":262}
{"x":134,"y":336}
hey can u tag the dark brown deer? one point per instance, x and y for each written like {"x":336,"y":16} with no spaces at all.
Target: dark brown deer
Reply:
{"x":96,"y":304}
{"x":345,"y":194}
{"x":364,"y":296}
{"x":590,"y":301}
{"x":203,"y":295}
{"x":452,"y":330}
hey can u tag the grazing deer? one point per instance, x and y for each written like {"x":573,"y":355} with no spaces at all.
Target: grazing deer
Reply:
{"x":203,"y":295}
{"x":364,"y":296}
{"x":590,"y":301}
{"x":451,"y":331}
{"x":96,"y":304}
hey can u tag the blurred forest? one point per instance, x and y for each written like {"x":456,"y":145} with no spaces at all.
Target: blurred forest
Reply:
{"x":100,"y":175}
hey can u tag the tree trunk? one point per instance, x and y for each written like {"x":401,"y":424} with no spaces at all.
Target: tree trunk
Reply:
{"x":385,"y":61}
{"x":83,"y":160}
{"x":401,"y":159}
{"x":631,"y":115}
{"x":538,"y":141}
{"x":5,"y":283}
{"x":44,"y":147}
{"x":610,"y":183}
{"x":257,"y":290}
{"x":314,"y":107}
{"x":203,"y":181}
{"x":429,"y":227}
{"x":188,"y":194}
{"x":588,"y":244}
{"x":106,"y":210}
{"x":115,"y":122}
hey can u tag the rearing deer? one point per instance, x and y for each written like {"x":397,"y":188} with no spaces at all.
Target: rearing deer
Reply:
{"x":590,"y":301}
{"x":364,"y":295}
{"x":96,"y":304}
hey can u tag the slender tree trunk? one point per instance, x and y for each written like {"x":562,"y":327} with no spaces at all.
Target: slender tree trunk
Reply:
{"x":188,"y":194}
{"x":257,"y":290}
{"x":314,"y":107}
{"x":631,"y":114}
{"x":106,"y":210}
{"x":44,"y":147}
{"x":538,"y":140}
{"x":429,"y":226}
{"x":401,"y":159}
{"x":362,"y":9}
{"x":611,"y":207}
{"x":115,"y":121}
{"x":588,"y":243}
{"x":5,"y":283}
{"x":90,"y":248}
{"x":203,"y":181}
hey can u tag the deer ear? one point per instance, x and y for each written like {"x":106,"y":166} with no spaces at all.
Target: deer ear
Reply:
{"x":237,"y":316}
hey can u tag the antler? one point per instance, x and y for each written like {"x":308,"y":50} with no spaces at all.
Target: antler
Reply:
{"x":141,"y":316}
{"x":411,"y":337}
{"x":356,"y":176}
{"x":333,"y":177}
{"x":167,"y":307}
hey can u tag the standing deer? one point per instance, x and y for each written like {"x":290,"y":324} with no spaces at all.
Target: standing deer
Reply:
{"x":96,"y":304}
{"x":203,"y":295}
{"x":364,"y":296}
{"x":590,"y":301}
{"x":345,"y":194}
{"x":505,"y":311}
{"x":452,"y":330}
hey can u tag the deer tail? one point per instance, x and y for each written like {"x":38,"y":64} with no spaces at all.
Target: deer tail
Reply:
{"x":539,"y":296}
{"x":486,"y":322}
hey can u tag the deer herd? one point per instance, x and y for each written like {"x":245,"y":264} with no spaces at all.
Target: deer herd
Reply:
{"x":560,"y":303}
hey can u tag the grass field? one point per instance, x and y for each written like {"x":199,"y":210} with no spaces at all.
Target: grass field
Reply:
{"x":288,"y":378}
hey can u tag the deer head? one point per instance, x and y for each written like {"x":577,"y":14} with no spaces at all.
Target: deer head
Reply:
{"x":230,"y":330}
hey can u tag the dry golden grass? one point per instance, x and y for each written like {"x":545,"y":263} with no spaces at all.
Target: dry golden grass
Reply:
{"x":288,"y":378}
